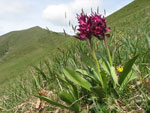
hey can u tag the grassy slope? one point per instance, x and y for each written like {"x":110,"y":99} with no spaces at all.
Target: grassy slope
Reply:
{"x":131,"y":21}
{"x":132,"y":16}
{"x":20,"y":49}
{"x":128,"y":10}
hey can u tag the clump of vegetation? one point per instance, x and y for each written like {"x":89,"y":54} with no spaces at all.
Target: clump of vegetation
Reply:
{"x":92,"y":81}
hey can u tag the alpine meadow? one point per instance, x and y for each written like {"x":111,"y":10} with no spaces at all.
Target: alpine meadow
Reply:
{"x":103,"y":68}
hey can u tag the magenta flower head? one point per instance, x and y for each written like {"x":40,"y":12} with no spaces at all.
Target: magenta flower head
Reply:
{"x":92,"y":25}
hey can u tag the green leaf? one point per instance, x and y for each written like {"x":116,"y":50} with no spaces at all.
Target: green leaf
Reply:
{"x":36,"y":81}
{"x":132,"y":75}
{"x":53,"y":103}
{"x":148,"y":40}
{"x":41,"y":72}
{"x":50,"y":70}
{"x":109,"y":69}
{"x":62,"y":77}
{"x":88,"y":61}
{"x":105,"y":79}
{"x":104,"y":65}
{"x":84,"y":72}
{"x":77,"y":79}
{"x":66,"y":97}
{"x":127,"y":69}
{"x":88,"y":75}
{"x":74,"y":90}
{"x":98,"y":91}
{"x":113,"y":74}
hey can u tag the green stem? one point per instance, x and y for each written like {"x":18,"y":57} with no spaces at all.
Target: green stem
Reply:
{"x":109,"y":56}
{"x":108,"y":52}
{"x":96,"y":61}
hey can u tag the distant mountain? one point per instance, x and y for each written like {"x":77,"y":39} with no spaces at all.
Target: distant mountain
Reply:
{"x":20,"y":49}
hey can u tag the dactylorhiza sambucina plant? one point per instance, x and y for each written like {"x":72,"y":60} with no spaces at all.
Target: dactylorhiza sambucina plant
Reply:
{"x":95,"y":25}
{"x":97,"y":80}
{"x":91,"y":26}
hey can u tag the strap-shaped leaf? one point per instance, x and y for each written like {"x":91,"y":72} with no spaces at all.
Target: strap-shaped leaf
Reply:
{"x":127,"y":69}
{"x":88,"y":61}
{"x":77,"y":79}
{"x":132,"y":75}
{"x":109,"y":69}
{"x":53,"y":103}
{"x":113,"y":74}
{"x":104,"y":65}
{"x":148,"y":40}
{"x":69,"y":99}
{"x":65,"y":96}
{"x":105,"y":79}
{"x":99,"y":92}
{"x":86,"y":74}
{"x":41,"y":72}
{"x":36,"y":82}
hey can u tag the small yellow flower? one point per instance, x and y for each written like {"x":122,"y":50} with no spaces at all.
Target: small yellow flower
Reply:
{"x":120,"y":69}
{"x":131,"y":54}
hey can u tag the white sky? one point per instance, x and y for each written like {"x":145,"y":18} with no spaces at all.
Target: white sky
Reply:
{"x":22,"y":14}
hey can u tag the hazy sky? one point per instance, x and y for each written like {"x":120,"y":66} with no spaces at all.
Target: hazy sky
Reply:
{"x":22,"y":14}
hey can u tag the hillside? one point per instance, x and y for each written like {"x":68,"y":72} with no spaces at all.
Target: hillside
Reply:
{"x":132,"y":19}
{"x":88,"y":79}
{"x":129,"y":10}
{"x":21,"y":49}
{"x":133,"y":22}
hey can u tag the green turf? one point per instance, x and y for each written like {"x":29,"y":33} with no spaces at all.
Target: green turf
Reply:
{"x":21,"y":49}
{"x":132,"y":17}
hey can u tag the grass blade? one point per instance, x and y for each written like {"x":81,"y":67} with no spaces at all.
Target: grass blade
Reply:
{"x":53,"y":103}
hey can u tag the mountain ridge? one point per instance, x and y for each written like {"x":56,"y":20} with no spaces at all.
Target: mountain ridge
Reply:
{"x":20,"y":49}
